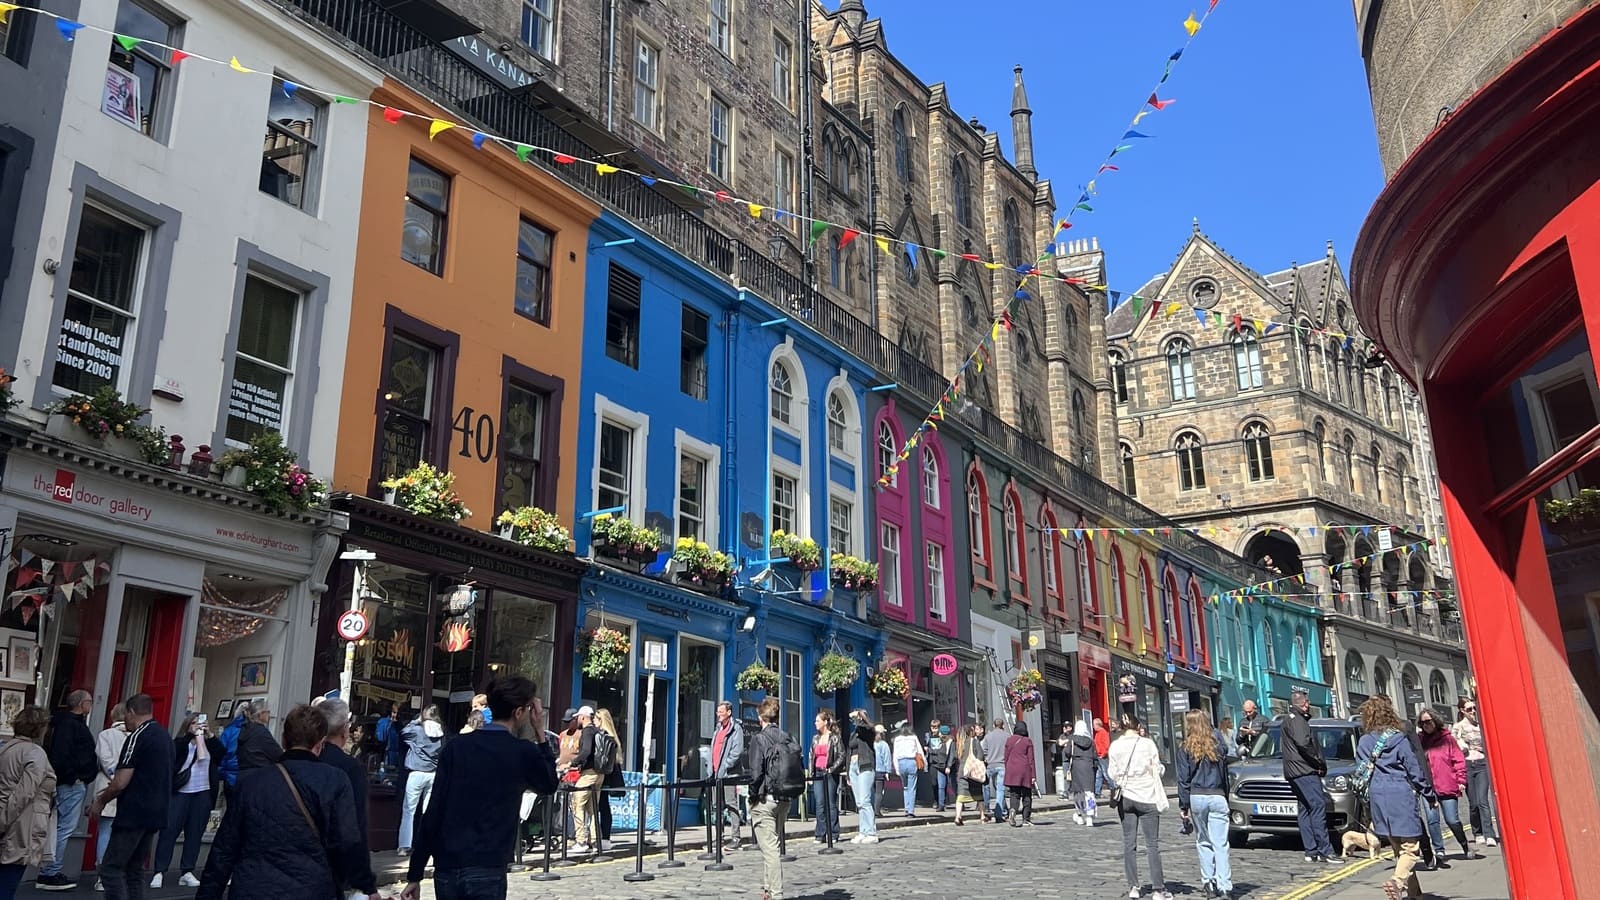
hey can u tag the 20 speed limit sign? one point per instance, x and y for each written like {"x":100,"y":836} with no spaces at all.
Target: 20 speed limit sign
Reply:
{"x":353,"y":625}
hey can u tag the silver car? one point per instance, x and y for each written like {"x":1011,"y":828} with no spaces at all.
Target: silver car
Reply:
{"x":1261,"y":801}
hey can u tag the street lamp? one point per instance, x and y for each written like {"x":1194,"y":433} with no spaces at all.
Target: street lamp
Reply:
{"x":358,"y":585}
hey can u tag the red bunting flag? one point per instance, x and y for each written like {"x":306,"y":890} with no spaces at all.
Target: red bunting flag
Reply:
{"x":849,"y":235}
{"x":564,"y":159}
{"x":1159,"y":103}
{"x":392,"y":115}
{"x":972,"y":256}
{"x":722,"y":196}
{"x":1063,"y":225}
{"x":179,"y":56}
{"x":1108,"y":168}
{"x":1238,"y":321}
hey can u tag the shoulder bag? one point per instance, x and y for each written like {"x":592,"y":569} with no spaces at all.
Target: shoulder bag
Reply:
{"x":1116,"y":788}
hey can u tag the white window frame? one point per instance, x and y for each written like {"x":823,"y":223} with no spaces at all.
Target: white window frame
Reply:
{"x":786,"y":469}
{"x":719,"y":29}
{"x":837,"y":494}
{"x":1534,"y":387}
{"x":1048,"y":536}
{"x":931,"y":472}
{"x":1247,"y":366}
{"x":711,"y":455}
{"x":647,"y":105}
{"x":838,"y":424}
{"x":937,"y":608}
{"x":783,"y":181}
{"x":783,"y":70}
{"x":786,"y":420}
{"x":886,"y":454}
{"x":1011,"y":519}
{"x":839,"y":388}
{"x":547,"y":18}
{"x":890,"y":587}
{"x":607,"y":411}
{"x":135,"y":302}
{"x":721,"y":146}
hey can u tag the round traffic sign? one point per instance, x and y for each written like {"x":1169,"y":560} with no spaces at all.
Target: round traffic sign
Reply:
{"x":353,"y":625}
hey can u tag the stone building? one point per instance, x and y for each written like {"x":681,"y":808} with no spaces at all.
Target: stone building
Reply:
{"x":1251,"y":407}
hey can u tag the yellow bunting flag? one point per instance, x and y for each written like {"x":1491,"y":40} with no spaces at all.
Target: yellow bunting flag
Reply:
{"x":994,"y":333}
{"x":1173,"y":308}
{"x":883,"y":244}
{"x":1141,"y":114}
{"x":605,"y":169}
{"x":991,"y":266}
{"x":1191,"y":25}
{"x":5,"y":10}
{"x":233,"y":63}
{"x":1261,"y":326}
{"x":438,"y":127}
{"x":755,"y":210}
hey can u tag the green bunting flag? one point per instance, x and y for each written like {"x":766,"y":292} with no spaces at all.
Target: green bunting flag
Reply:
{"x":817,"y":230}
{"x":128,"y":43}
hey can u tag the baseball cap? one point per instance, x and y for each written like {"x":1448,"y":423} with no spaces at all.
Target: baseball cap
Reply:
{"x":569,"y":715}
{"x":585,"y":710}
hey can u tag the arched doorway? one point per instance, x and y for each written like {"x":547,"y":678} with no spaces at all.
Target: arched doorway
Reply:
{"x":1276,"y":552}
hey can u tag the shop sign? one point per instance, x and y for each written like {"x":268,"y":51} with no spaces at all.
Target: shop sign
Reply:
{"x":257,"y":407}
{"x":1127,"y":689}
{"x":944,"y":664}
{"x":1179,"y":701}
{"x":484,"y":57}
{"x":1125,"y":668}
{"x":378,"y":693}
{"x":460,"y":599}
{"x":394,"y":659}
{"x":353,"y":625}
{"x":364,"y":532}
{"x":1094,"y":656}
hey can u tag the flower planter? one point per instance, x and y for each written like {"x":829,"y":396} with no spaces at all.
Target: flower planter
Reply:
{"x":695,"y":582}
{"x":234,"y":477}
{"x":126,"y":448}
{"x":61,"y":428}
{"x":506,"y":532}
{"x":388,"y":496}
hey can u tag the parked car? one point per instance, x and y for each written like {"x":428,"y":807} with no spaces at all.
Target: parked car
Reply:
{"x":1260,"y":801}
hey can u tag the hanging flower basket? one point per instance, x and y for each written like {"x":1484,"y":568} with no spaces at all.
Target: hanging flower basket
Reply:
{"x":852,"y":574}
{"x":531,"y":526}
{"x":272,"y":473}
{"x":428,"y":492}
{"x":835,"y":672}
{"x":757,"y":678}
{"x":605,"y":651}
{"x":1024,"y":691}
{"x":621,"y":539}
{"x":802,"y":553}
{"x":701,"y":566}
{"x":889,"y":684}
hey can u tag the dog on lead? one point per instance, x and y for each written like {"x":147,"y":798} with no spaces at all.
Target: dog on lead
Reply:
{"x":1357,"y":840}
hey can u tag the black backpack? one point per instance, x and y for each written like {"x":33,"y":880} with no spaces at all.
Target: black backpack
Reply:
{"x":786,"y":769}
{"x":605,"y":752}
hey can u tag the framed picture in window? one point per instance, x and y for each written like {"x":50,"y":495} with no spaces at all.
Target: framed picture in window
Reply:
{"x":255,"y":675}
{"x":24,"y":655}
{"x":11,"y":703}
{"x":120,"y":100}
{"x":224,"y":711}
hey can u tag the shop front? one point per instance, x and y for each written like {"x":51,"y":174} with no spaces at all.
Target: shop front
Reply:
{"x":124,"y":578}
{"x":448,"y":608}
{"x":1281,"y":689}
{"x":942,"y":674}
{"x":1142,"y":691}
{"x":1094,"y":660}
{"x":1190,"y":690}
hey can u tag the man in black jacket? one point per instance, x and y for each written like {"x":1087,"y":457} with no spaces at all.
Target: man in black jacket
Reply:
{"x":767,"y":812}
{"x":257,"y":748}
{"x":333,"y":753}
{"x":1251,"y":726}
{"x":72,"y":756}
{"x":1304,"y":768}
{"x":470,"y":826}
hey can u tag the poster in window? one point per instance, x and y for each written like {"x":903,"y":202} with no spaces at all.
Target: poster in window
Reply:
{"x":24,"y":654}
{"x":121,"y":98}
{"x":254,"y":675}
{"x":11,"y":703}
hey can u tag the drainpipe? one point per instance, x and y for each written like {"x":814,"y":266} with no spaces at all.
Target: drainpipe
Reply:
{"x":872,"y":218}
{"x":611,"y":63}
{"x":729,"y":501}
{"x":810,"y":256}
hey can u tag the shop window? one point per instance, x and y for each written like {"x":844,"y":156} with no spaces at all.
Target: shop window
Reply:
{"x":291,"y":152}
{"x":841,"y":526}
{"x":523,"y":631}
{"x":539,"y":27}
{"x":612,"y":692}
{"x":647,"y":85}
{"x":144,"y":72}
{"x":936,"y":600}
{"x":535,"y":244}
{"x":889,"y":564}
{"x":781,"y":394}
{"x":98,"y":322}
{"x":522,"y":447}
{"x":263,"y":363}
{"x":390,"y":660}
{"x":411,"y":404}
{"x":699,"y":692}
{"x":1180,"y":369}
{"x":694,"y":376}
{"x":427,"y":217}
{"x":785,"y":502}
{"x":788,"y":665}
{"x":623,"y":289}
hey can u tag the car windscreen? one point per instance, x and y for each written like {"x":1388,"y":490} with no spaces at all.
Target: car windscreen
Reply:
{"x":1336,"y":743}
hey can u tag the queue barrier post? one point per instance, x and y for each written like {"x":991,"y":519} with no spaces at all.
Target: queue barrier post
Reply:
{"x":546,"y":875}
{"x":670,"y":820}
{"x":638,"y":873}
{"x":830,"y":801}
{"x":565,"y":793}
{"x":718,"y":865}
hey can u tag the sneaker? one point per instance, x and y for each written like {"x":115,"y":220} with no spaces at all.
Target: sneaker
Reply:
{"x":188,"y":880}
{"x":1027,"y":823}
{"x":1077,"y":819}
{"x":100,"y":885}
{"x":606,"y":845}
{"x":1311,"y":857}
{"x":56,"y":882}
{"x":870,"y":839}
{"x":1161,"y":895}
{"x":156,"y":881}
{"x":1133,"y":894}
{"x":403,"y":852}
{"x":580,"y":849}
{"x":1490,"y":842}
{"x":856,"y":839}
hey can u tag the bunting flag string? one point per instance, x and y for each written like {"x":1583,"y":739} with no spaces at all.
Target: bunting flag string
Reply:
{"x":1267,"y":587}
{"x":1367,"y":529}
{"x":1226,"y":321}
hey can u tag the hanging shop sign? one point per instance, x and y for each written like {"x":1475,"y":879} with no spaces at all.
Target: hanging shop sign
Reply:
{"x":461,"y":599}
{"x":945,"y":664}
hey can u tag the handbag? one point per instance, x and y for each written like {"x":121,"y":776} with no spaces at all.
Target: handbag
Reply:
{"x":1116,"y":786}
{"x":922,"y":763}
{"x":973,"y":769}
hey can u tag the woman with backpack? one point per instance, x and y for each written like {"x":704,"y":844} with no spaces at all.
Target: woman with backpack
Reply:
{"x":611,"y":779}
{"x":1083,"y":761}
{"x":1140,"y":798}
{"x":1393,"y":780}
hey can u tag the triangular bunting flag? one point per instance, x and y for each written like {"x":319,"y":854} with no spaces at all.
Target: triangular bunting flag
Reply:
{"x":883,"y":244}
{"x":818,"y":228}
{"x":755,"y":210}
{"x":438,"y":127}
{"x":524,"y":151}
{"x":123,"y":40}
{"x":1191,"y":25}
{"x":233,"y":63}
{"x":911,"y":256}
{"x":68,"y":29}
{"x":1201,"y":315}
{"x":478,"y":138}
{"x":849,"y":235}
{"x":392,"y":115}
{"x":1159,"y":103}
{"x":1134,"y":134}
{"x":1138,"y":306}
{"x":605,"y":169}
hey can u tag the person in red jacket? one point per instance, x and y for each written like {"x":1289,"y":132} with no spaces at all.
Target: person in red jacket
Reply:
{"x":1021,"y":777}
{"x":1448,"y":767}
{"x":1102,"y":750}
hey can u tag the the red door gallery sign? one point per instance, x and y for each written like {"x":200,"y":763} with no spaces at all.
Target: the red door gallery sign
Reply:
{"x":944,"y":664}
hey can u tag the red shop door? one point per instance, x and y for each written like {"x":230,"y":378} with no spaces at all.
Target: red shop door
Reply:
{"x":163,"y":647}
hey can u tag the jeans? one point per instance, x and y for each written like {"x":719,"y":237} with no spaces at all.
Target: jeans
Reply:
{"x":1480,"y":793}
{"x":1062,"y":778}
{"x":825,"y":796}
{"x":69,"y":806}
{"x":1210,"y":815}
{"x":994,"y":793}
{"x":419,"y":790}
{"x":1451,"y":807}
{"x":187,"y":813}
{"x":765,"y":820}
{"x":861,"y":786}
{"x":1101,"y":775}
{"x":943,"y":797}
{"x":908,"y":781}
{"x":102,"y":837}
{"x":476,"y":883}
{"x":880,"y":788}
{"x":1313,"y":815}
{"x":123,"y":870}
{"x":1138,"y":817}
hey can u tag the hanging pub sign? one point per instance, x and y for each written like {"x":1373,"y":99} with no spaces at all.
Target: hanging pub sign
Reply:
{"x":1127,"y":689}
{"x":944,"y":664}
{"x":461,"y":599}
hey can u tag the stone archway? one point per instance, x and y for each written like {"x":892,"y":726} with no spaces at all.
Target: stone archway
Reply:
{"x":1274,"y":550}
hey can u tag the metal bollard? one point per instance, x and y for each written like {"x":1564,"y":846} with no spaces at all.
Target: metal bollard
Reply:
{"x":719,"y":865}
{"x":565,"y":793}
{"x":638,"y":873}
{"x":547,"y":875}
{"x":669,"y":818}
{"x":830,"y":800}
{"x":783,"y":841}
{"x":716,"y":803}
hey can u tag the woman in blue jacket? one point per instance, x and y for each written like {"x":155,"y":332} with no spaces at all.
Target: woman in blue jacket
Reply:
{"x":1203,"y":799}
{"x":1396,"y":783}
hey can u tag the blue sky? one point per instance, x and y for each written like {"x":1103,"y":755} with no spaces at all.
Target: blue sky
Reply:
{"x":1271,"y":144}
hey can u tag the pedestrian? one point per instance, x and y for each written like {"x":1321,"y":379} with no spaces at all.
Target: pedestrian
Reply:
{"x":863,"y":772}
{"x":728,"y":762}
{"x":424,"y":737}
{"x":107,"y":749}
{"x":940,"y":746}
{"x":1135,"y":765}
{"x":1253,"y":725}
{"x":1062,"y":749}
{"x":611,"y":779}
{"x":230,"y":747}
{"x":257,"y":748}
{"x":971,"y":773}
{"x":1304,"y":768}
{"x":1447,"y":769}
{"x":27,"y":794}
{"x":909,"y":761}
{"x":1084,"y":768}
{"x":1102,"y":750}
{"x":334,"y":753}
{"x":827,"y":762}
{"x":198,"y":757}
{"x":290,"y":829}
{"x":1395,"y":785}
{"x":1430,"y":860}
{"x":883,"y":764}
{"x":1021,"y":777}
{"x":1203,"y":799}
{"x":477,"y":715}
{"x":71,"y":748}
{"x":142,"y":787}
{"x":387,"y":734}
{"x":994,"y":758}
{"x":470,"y":830}
{"x":584,"y":776}
{"x":1480,"y":789}
{"x":769,"y":800}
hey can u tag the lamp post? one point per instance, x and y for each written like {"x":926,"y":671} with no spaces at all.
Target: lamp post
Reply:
{"x":358,"y":584}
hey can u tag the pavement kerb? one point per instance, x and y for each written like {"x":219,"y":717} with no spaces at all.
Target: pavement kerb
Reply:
{"x":1332,"y":878}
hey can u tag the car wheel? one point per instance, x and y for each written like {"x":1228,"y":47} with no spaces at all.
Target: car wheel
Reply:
{"x":1238,"y":840}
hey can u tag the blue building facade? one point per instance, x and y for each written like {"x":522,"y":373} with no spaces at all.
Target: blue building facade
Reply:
{"x":1266,"y":647}
{"x":686,"y":428}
